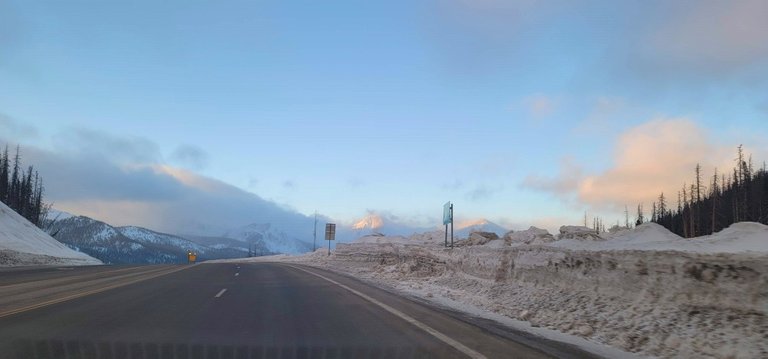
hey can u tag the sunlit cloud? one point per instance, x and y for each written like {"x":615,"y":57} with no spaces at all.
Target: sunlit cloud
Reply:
{"x":654,"y":157}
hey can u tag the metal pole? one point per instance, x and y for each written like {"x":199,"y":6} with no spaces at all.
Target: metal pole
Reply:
{"x":451,"y":225}
{"x":329,"y":248}
{"x":314,"y":235}
{"x":446,"y":235}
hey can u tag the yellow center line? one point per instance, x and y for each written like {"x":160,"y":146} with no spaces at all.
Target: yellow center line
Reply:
{"x":94,"y":291}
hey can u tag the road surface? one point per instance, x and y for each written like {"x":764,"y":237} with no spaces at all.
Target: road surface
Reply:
{"x":257,"y":310}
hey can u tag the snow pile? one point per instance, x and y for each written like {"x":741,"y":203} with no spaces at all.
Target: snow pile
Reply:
{"x":532,"y":235}
{"x":480,"y":238}
{"x":741,"y":237}
{"x":645,"y":290}
{"x":22,"y":243}
{"x":579,"y":233}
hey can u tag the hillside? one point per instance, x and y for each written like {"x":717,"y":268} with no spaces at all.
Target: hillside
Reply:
{"x":122,"y":245}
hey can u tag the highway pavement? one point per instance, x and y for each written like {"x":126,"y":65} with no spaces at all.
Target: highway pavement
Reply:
{"x":255,"y":310}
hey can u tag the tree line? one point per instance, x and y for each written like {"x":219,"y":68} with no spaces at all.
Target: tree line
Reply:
{"x":22,"y":190}
{"x":709,"y":205}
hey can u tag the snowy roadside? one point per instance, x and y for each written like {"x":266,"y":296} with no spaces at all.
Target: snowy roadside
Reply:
{"x":23,"y":244}
{"x":644,"y":291}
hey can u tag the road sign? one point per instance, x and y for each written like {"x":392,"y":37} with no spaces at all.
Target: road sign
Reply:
{"x":330,"y":231}
{"x":447,"y":213}
{"x":448,"y":218}
{"x":330,"y":234}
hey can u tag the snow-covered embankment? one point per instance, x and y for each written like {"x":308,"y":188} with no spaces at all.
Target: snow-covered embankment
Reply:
{"x":23,"y":244}
{"x":646,"y":290}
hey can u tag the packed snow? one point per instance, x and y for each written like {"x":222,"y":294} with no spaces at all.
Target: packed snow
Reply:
{"x":642,"y":291}
{"x":22,"y":243}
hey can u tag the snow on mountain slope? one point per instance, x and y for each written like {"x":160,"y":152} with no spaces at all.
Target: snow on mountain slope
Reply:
{"x":269,"y":237}
{"x":144,"y":235}
{"x":462,"y":229}
{"x":375,"y":223}
{"x":22,"y":243}
{"x":131,"y":244}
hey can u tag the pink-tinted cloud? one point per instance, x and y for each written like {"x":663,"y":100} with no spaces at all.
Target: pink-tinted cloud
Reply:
{"x":657,"y":156}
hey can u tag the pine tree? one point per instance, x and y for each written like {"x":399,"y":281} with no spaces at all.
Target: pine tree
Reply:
{"x":626,"y":217}
{"x":4,"y":168}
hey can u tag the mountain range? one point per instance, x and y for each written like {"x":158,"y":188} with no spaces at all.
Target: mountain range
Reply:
{"x":133,"y":244}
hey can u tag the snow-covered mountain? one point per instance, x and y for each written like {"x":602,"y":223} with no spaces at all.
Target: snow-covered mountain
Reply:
{"x":378,"y":223}
{"x":267,"y":236}
{"x":130,"y":244}
{"x":462,"y":229}
{"x":22,"y":243}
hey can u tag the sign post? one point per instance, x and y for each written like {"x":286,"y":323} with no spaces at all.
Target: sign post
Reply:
{"x":314,"y":235}
{"x":330,"y":234}
{"x":448,"y":218}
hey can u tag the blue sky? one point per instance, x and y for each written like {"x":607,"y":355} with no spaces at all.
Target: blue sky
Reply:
{"x":507,"y":108}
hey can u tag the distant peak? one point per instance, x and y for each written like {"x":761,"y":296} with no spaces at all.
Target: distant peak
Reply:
{"x":371,"y":221}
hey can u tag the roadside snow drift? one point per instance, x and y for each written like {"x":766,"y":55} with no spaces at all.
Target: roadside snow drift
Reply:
{"x":645,"y":291}
{"x":23,"y":244}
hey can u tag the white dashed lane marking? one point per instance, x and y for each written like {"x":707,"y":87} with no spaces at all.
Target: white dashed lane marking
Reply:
{"x":221,"y":293}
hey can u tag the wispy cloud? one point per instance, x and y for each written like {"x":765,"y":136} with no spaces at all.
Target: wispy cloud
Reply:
{"x":566,"y":182}
{"x":78,"y":141}
{"x":14,"y":129}
{"x":708,"y":36}
{"x":190,"y":156}
{"x":482,"y":192}
{"x":289,"y":184}
{"x":540,"y":106}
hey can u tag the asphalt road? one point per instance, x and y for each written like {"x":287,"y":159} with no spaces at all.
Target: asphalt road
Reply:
{"x":262,"y":310}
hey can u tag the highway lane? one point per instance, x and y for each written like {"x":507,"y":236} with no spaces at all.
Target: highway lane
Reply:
{"x":249,"y":311}
{"x":14,"y":275}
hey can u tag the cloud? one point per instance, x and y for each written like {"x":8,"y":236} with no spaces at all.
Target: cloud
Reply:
{"x":566,"y":182}
{"x":15,"y":129}
{"x":603,"y":115}
{"x":289,"y":184}
{"x":90,"y":177}
{"x":708,"y":36}
{"x":480,"y":37}
{"x":190,"y":156}
{"x":540,"y":106}
{"x":481,"y":192}
{"x":197,"y":204}
{"x":657,"y":156}
{"x":122,"y":181}
{"x":118,"y":149}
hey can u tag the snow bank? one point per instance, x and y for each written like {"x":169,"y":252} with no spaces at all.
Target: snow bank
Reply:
{"x":741,"y":237}
{"x":645,"y":290}
{"x":532,"y":235}
{"x":22,"y":243}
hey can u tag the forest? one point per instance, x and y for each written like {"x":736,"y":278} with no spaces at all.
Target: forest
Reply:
{"x":22,"y":190}
{"x":709,"y":205}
